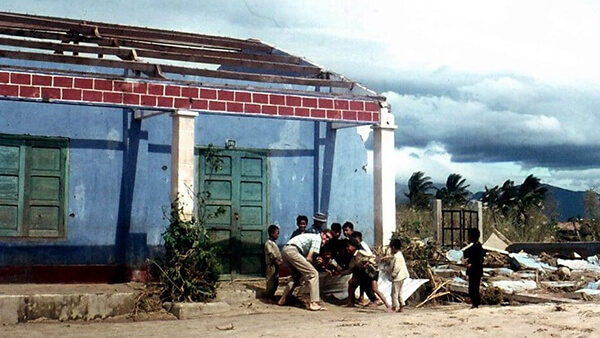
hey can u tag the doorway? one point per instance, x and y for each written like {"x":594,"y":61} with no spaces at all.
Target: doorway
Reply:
{"x":237,"y":188}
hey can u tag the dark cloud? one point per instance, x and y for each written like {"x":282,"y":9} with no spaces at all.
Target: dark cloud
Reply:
{"x":501,"y":118}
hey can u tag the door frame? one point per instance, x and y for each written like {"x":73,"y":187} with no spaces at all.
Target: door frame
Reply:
{"x":264,"y":153}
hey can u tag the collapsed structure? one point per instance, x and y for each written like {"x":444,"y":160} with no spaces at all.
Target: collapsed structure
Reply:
{"x":102,"y":126}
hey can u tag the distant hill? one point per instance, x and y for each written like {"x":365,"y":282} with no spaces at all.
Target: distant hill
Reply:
{"x":570,"y":203}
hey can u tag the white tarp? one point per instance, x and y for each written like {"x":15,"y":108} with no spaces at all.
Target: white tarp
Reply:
{"x":591,"y":289}
{"x":532,"y":262}
{"x":454,"y":255}
{"x":578,"y":264}
{"x":512,"y":286}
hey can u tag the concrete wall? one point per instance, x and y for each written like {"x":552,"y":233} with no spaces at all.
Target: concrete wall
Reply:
{"x":119,"y":177}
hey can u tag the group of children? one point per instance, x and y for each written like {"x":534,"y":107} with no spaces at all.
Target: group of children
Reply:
{"x":340,"y":256}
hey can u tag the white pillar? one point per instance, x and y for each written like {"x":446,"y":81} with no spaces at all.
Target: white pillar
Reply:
{"x":480,"y":219}
{"x":437,"y":218}
{"x":182,"y":160}
{"x":384,"y":178}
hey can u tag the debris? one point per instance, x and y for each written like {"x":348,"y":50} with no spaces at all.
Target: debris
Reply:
{"x":496,"y":241}
{"x":563,"y":273}
{"x":225,"y":328}
{"x":560,"y":308}
{"x":454,"y":255}
{"x":578,"y":264}
{"x":527,"y":261}
{"x":513,"y":286}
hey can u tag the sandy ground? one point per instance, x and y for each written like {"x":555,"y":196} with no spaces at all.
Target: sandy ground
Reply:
{"x":257,"y":319}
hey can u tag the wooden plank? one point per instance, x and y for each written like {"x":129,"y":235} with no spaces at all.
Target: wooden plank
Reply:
{"x":92,"y":28}
{"x":149,"y":68}
{"x":127,"y":54}
{"x":112,"y":42}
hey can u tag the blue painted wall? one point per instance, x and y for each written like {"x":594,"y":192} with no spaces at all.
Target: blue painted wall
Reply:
{"x":119,"y":177}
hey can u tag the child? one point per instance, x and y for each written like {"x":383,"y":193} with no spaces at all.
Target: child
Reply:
{"x":273,"y":261}
{"x":325,"y":262}
{"x":473,"y":259}
{"x":399,"y":274}
{"x":365,"y":273}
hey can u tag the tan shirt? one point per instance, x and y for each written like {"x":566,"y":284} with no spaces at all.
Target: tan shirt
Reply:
{"x":399,"y":270}
{"x":360,"y":258}
{"x":272,"y":253}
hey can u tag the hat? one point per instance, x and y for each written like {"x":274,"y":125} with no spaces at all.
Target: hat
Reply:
{"x":320,"y":217}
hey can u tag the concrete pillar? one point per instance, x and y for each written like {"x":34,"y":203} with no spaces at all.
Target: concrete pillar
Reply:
{"x":479,"y":205}
{"x":384,"y":178}
{"x":437,"y":218}
{"x":182,"y":160}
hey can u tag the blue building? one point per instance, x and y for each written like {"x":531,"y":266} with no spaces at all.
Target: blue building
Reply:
{"x":102,"y":126}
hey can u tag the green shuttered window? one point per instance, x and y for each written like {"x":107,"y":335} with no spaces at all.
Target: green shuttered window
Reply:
{"x":33,"y":176}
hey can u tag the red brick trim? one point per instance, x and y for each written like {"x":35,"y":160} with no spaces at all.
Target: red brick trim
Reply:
{"x":150,"y":95}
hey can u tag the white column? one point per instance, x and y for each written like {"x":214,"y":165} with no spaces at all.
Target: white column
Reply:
{"x":182,"y":160}
{"x":384,"y":178}
{"x":480,"y":219}
{"x":437,"y":218}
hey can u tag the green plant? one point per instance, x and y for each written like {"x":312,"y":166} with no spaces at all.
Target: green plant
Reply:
{"x":191,"y":267}
{"x":415,"y":223}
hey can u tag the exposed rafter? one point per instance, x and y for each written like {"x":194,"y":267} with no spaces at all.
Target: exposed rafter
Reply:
{"x":162,"y":54}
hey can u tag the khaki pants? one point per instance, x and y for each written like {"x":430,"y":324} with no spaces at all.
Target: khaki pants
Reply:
{"x":272,"y":275}
{"x":397,"y":294}
{"x":299,"y":265}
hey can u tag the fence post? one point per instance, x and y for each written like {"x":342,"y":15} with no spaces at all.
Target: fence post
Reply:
{"x":480,"y":219}
{"x":437,"y":219}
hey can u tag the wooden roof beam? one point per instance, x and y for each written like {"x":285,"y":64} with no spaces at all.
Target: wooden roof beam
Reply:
{"x":126,"y":54}
{"x":113,"y":42}
{"x":150,"y":68}
{"x":98,"y":29}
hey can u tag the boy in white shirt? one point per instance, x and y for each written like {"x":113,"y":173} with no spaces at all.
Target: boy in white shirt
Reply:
{"x":399,"y":274}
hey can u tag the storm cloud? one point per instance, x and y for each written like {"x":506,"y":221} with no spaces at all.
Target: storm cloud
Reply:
{"x":490,"y":89}
{"x":503,"y":119}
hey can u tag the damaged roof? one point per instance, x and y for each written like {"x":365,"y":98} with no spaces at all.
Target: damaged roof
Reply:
{"x":165,"y":55}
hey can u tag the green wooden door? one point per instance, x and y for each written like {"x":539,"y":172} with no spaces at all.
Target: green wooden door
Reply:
{"x":239,"y":188}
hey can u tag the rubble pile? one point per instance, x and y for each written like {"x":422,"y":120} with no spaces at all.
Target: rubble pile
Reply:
{"x":519,"y":277}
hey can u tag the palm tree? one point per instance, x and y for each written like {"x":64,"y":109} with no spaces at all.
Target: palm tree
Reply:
{"x":530,"y":194}
{"x":418,"y":190}
{"x":491,"y":198}
{"x":508,"y":197}
{"x":455,"y":192}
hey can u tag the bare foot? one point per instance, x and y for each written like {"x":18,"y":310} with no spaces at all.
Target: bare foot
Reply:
{"x":389,"y":310}
{"x":316,"y":307}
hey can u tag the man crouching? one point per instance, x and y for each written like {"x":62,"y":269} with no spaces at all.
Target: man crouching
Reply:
{"x":299,"y":253}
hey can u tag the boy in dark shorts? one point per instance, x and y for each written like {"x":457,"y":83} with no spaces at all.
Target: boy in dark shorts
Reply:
{"x":365,"y":273}
{"x":473,"y":259}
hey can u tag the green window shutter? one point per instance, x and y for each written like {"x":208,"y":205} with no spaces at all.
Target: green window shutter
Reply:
{"x":12,"y":168}
{"x":33,"y":186}
{"x":45,"y":188}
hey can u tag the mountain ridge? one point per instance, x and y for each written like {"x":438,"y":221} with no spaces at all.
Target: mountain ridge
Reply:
{"x":570,"y":203}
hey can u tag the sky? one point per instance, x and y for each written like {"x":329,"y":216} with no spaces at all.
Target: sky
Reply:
{"x":492,"y":90}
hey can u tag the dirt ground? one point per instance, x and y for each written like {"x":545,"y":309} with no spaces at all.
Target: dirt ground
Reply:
{"x":257,"y":319}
